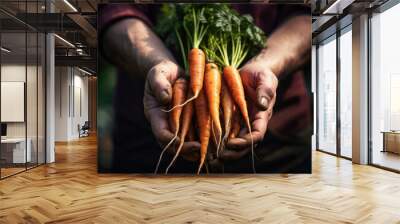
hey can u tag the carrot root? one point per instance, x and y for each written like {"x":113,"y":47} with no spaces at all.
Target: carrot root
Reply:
{"x":219,"y":144}
{"x":185,"y":127}
{"x":200,"y":166}
{"x":175,"y":156}
{"x":215,"y":138}
{"x":224,"y":139}
{"x":252,"y":148}
{"x":162,"y":153}
{"x":180,"y":105}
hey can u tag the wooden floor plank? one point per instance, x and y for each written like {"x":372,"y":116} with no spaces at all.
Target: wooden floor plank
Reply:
{"x":71,"y":191}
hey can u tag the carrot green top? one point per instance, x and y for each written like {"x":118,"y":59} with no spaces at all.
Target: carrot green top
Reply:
{"x":227,"y":37}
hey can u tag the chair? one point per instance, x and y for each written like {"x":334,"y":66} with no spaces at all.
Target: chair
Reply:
{"x":84,"y":130}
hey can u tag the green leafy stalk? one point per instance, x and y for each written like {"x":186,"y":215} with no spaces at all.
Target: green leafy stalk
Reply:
{"x":182,"y":48}
{"x":210,"y":47}
{"x":226,"y":37}
{"x":236,"y":36}
{"x":199,"y":30}
{"x":222,"y":48}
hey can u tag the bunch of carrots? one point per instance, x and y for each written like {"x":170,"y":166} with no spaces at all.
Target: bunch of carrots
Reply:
{"x":213,"y":40}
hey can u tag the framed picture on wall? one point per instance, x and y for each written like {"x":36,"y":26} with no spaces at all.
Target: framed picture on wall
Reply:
{"x":204,"y":88}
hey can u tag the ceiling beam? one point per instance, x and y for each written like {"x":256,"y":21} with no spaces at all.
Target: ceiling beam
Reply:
{"x":79,"y":61}
{"x":337,"y":7}
{"x":90,"y":31}
{"x":73,"y":12}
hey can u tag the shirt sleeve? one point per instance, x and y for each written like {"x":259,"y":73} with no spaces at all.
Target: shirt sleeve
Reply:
{"x":111,"y":13}
{"x":288,"y":11}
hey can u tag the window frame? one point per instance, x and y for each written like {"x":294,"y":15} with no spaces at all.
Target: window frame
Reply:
{"x":333,"y":37}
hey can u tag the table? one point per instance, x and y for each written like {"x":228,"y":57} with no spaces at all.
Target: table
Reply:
{"x":13,"y":150}
{"x":391,"y":141}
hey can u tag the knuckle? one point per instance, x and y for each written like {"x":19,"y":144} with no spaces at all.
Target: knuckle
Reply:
{"x":261,"y":75}
{"x":270,"y":113}
{"x":150,"y":80}
{"x":258,"y":137}
{"x":151,"y":72}
{"x":270,"y":92}
{"x":157,"y":71}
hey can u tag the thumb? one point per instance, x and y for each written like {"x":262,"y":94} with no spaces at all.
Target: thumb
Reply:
{"x":160,"y":80}
{"x":266,"y":90}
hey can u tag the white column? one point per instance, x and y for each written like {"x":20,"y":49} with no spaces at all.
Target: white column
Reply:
{"x":360,"y":90}
{"x":50,"y":92}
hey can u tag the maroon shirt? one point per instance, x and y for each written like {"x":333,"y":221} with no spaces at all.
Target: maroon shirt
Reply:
{"x":291,"y":117}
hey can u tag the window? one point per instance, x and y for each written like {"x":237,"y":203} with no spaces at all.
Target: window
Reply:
{"x":385,"y":89}
{"x":346,"y":92}
{"x":327,"y":95}
{"x":22,"y":78}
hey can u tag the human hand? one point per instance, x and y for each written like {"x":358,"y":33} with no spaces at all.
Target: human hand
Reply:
{"x":158,"y":95}
{"x":260,"y":85}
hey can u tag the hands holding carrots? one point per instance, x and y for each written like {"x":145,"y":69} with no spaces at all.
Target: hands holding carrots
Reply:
{"x":213,"y":45}
{"x":158,"y":94}
{"x":260,"y":85}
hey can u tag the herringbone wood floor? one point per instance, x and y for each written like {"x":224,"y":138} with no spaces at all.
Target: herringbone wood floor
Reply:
{"x":71,"y":191}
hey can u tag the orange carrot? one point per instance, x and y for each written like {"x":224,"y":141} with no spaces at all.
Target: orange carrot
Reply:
{"x":234,"y":83}
{"x":214,"y":137}
{"x":191,"y":135}
{"x":186,"y":121}
{"x":212,"y":84}
{"x":197,"y":61}
{"x":178,"y":97}
{"x":204,"y":123}
{"x":235,"y":124}
{"x":195,"y":31}
{"x":227,"y":108}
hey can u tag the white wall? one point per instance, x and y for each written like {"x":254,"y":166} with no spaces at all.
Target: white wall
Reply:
{"x":61,"y":103}
{"x":81,"y":104}
{"x":33,"y":127}
{"x":71,"y":93}
{"x":12,"y":73}
{"x":16,"y":72}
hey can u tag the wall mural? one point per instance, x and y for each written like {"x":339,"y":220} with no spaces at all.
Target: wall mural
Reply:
{"x":204,"y":88}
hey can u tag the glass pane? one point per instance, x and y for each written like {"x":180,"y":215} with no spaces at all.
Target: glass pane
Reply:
{"x":314,"y":90}
{"x":385,"y":84}
{"x":32,"y":97}
{"x":327,"y":96}
{"x":346,"y":94}
{"x":13,"y":89}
